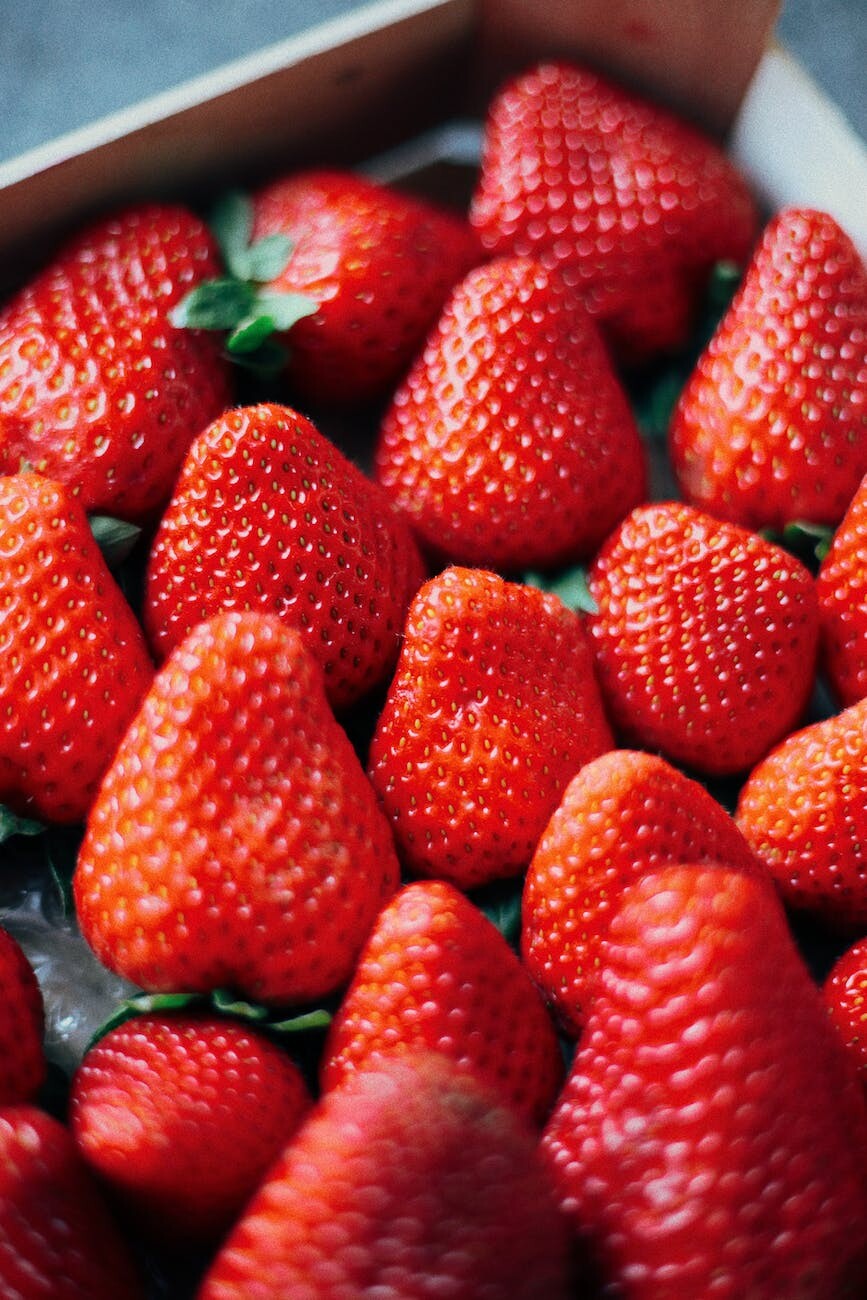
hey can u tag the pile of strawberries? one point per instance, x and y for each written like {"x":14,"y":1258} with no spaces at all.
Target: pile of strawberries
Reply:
{"x":455,"y":803}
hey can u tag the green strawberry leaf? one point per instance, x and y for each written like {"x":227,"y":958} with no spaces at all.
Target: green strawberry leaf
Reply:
{"x":267,"y":258}
{"x":267,"y":360}
{"x":319,"y":1019}
{"x":270,"y":313}
{"x":570,"y":586}
{"x":722,"y":285}
{"x":115,"y":538}
{"x":501,"y":904}
{"x":807,"y":541}
{"x":232,"y":225}
{"x":227,"y":1004}
{"x":215,"y":305}
{"x":11,"y":824}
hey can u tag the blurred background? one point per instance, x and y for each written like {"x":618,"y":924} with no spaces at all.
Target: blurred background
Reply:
{"x":65,"y":63}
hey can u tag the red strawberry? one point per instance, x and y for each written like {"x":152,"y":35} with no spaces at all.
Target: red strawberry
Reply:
{"x":623,"y":814}
{"x":705,"y":637}
{"x":219,"y":1097}
{"x":510,"y":443}
{"x":841,"y":588}
{"x":492,"y":710}
{"x":235,"y":841}
{"x":712,"y":1139}
{"x":22,"y":1025}
{"x":267,"y":514}
{"x":97,"y":389}
{"x":437,"y":973}
{"x":57,"y":1240}
{"x":845,"y":994}
{"x":804,"y":812}
{"x":409,"y":1181}
{"x":75,"y":664}
{"x":632,"y":204}
{"x":772,"y":426}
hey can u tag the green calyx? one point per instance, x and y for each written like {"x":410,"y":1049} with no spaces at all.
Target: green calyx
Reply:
{"x":570,"y":586}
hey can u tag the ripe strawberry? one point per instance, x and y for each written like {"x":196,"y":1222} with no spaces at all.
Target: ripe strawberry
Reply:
{"x":492,"y":710}
{"x":841,"y":588}
{"x":75,"y":664}
{"x":510,"y":443}
{"x":633,"y":205}
{"x":97,"y":388}
{"x":267,"y":514}
{"x":845,"y":994}
{"x":624,"y":814}
{"x":772,"y":426}
{"x":409,"y":1181}
{"x":235,"y":841}
{"x":437,"y":973}
{"x":712,"y":1138}
{"x":57,"y":1240}
{"x":804,"y":812}
{"x":705,"y":637}
{"x":217,"y":1095}
{"x":22,"y":1025}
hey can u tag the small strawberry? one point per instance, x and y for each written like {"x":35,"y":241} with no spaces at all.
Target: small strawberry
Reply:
{"x":632,"y":204}
{"x":268,"y":515}
{"x":624,"y":814}
{"x":437,"y":973}
{"x":841,"y":588}
{"x":97,"y":388}
{"x":772,"y":426}
{"x":510,"y":444}
{"x":235,"y":842}
{"x":845,"y":994}
{"x":705,"y":637}
{"x":22,"y":1026}
{"x":75,"y":664}
{"x":409,"y":1181}
{"x":712,"y":1137}
{"x":492,"y":710}
{"x":804,"y":812}
{"x":221,"y":1098}
{"x":57,"y":1239}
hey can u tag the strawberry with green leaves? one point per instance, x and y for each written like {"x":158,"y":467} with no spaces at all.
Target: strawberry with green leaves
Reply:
{"x":22,"y":1025}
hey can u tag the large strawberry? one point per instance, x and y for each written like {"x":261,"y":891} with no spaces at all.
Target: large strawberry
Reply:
{"x":712,"y":1137}
{"x":97,"y":388}
{"x":772,"y":426}
{"x":436,"y":972}
{"x":510,"y":443}
{"x":22,"y":1025}
{"x":409,"y":1181}
{"x":705,"y":637}
{"x":267,"y":514}
{"x":235,"y":841}
{"x":629,"y":202}
{"x":625,"y":813}
{"x":841,"y":588}
{"x":75,"y":664}
{"x":492,"y":710}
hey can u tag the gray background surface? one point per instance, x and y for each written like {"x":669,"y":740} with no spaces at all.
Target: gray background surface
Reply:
{"x":64,"y":63}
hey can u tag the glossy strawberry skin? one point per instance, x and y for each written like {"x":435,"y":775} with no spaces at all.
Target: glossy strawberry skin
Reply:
{"x":711,"y":1138}
{"x":845,"y":993}
{"x":22,"y":1026}
{"x":219,"y":1096}
{"x":75,"y":663}
{"x":705,"y":637}
{"x":268,"y":515}
{"x":492,"y":710}
{"x":410,"y":1181}
{"x":97,"y":389}
{"x":632,"y":205}
{"x":436,"y":972}
{"x":772,"y":426}
{"x":841,"y":588}
{"x":624,"y":814}
{"x":235,"y":841}
{"x":380,"y":264}
{"x":510,"y":444}
{"x":804,"y":812}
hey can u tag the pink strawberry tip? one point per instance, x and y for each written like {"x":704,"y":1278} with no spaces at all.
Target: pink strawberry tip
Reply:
{"x":240,"y":303}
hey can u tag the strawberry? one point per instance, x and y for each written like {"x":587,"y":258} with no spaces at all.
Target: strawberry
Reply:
{"x":705,"y":637}
{"x":510,"y":444}
{"x":75,"y":664}
{"x":841,"y":588}
{"x":492,"y":710}
{"x":436,"y":972}
{"x":57,"y":1239}
{"x":632,"y":204}
{"x":222,"y":1098}
{"x":804,"y":812}
{"x":22,"y":1025}
{"x":97,"y":388}
{"x":235,"y":841}
{"x":409,"y":1181}
{"x":624,"y":814}
{"x":845,"y":993}
{"x":712,"y":1139}
{"x":772,"y":426}
{"x":268,"y":515}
